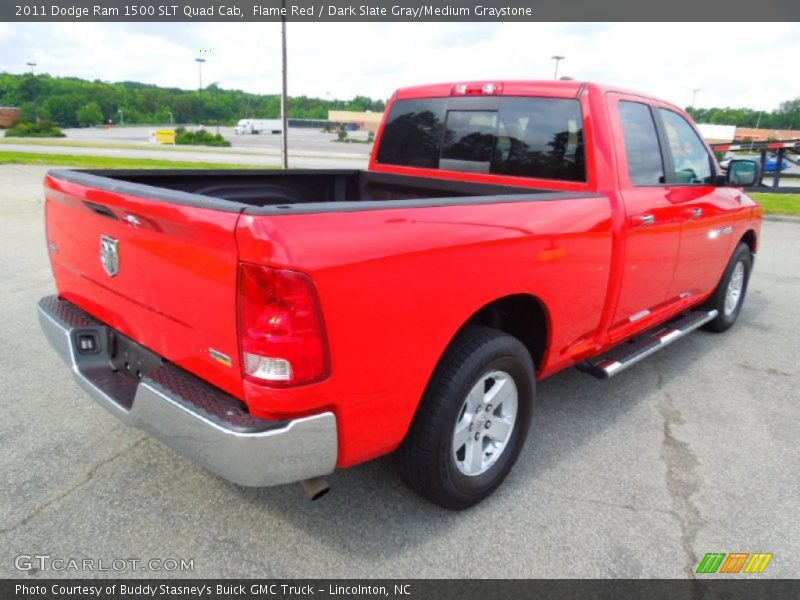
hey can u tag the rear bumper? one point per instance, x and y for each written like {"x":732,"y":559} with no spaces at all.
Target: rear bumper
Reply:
{"x":194,"y":418}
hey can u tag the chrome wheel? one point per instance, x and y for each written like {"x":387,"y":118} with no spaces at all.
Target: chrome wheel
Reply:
{"x":734,"y":291}
{"x":485,"y":423}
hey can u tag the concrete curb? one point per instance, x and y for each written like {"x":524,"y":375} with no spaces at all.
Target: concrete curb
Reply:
{"x":782,"y":219}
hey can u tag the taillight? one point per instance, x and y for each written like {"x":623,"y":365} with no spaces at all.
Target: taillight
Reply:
{"x":280,"y":327}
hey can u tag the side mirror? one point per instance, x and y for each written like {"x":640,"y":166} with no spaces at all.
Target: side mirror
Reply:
{"x":743,"y":173}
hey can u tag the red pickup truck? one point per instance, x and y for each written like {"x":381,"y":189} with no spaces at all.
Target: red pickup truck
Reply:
{"x":277,"y":325}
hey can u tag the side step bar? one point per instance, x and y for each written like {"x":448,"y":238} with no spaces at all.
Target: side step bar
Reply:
{"x":629,"y":353}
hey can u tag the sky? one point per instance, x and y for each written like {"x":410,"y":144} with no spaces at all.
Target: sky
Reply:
{"x":731,"y":64}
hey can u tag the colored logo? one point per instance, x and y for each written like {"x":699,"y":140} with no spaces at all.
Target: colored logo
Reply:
{"x":735,"y":562}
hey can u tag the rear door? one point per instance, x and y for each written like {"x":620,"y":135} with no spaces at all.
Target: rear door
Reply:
{"x":707,"y":210}
{"x":161,"y":272}
{"x":651,"y":228}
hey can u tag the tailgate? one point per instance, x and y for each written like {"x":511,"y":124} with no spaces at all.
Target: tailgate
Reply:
{"x":161,"y":272}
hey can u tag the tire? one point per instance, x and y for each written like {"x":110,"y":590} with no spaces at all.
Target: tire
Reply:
{"x":480,"y":366}
{"x":722,"y":300}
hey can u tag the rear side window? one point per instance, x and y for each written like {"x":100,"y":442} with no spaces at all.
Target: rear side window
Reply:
{"x":523,"y":137}
{"x":641,"y":144}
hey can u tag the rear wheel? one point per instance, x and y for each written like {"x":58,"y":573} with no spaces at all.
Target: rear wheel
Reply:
{"x":472,"y":421}
{"x":728,"y":298}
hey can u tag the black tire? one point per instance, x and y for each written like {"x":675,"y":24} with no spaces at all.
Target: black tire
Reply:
{"x":716,"y":302}
{"x":427,"y":460}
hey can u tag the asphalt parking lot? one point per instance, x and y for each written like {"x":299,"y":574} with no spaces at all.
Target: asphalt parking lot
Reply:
{"x":308,"y":148}
{"x":303,"y":139}
{"x":693,"y":451}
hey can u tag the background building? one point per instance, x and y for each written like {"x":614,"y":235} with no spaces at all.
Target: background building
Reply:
{"x":365,"y":121}
{"x":764,"y":135}
{"x":8,"y":116}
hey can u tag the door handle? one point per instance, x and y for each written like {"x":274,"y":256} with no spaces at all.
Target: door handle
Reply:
{"x":696,"y":213}
{"x":643,"y":219}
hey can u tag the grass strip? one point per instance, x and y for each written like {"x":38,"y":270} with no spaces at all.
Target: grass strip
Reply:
{"x":779,"y":204}
{"x":113,"y":162}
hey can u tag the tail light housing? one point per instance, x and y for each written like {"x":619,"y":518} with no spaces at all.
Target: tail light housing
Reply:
{"x":281,"y":331}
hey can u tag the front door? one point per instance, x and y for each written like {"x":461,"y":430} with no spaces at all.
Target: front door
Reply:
{"x":707,"y":210}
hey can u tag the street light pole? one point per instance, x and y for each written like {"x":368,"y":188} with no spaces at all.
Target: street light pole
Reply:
{"x":694,"y":96}
{"x":284,"y":99}
{"x":200,"y":62}
{"x":557,"y":58}
{"x":32,"y":65}
{"x":121,"y":116}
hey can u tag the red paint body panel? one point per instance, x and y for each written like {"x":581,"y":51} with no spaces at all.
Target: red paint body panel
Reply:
{"x":395,"y":285}
{"x":176,"y":288}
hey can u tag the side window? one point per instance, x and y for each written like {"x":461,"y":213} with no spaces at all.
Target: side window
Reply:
{"x":641,"y":144}
{"x":690,"y":159}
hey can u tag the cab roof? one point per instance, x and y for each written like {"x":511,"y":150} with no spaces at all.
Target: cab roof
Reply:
{"x":541,"y":88}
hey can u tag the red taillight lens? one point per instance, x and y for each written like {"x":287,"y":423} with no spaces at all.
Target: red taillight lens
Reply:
{"x":280,"y":326}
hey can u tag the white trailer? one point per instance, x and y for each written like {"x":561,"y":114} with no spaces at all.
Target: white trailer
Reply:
{"x":256,"y":126}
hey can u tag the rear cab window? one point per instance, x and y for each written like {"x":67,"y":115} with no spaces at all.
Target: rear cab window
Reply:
{"x":531,"y":137}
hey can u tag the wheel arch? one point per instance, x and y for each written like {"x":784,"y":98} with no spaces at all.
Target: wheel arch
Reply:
{"x":523,"y":316}
{"x":750,"y":239}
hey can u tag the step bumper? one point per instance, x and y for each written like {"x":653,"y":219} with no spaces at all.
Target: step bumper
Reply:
{"x":194,"y":418}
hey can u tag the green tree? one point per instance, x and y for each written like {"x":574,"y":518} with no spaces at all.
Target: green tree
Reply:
{"x":30,"y":112}
{"x":89,"y":115}
{"x":62,"y":109}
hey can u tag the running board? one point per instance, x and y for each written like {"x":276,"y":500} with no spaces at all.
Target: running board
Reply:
{"x":629,"y":353}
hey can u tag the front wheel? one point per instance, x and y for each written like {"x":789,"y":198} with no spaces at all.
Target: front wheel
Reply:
{"x":728,"y":298}
{"x":472,"y":421}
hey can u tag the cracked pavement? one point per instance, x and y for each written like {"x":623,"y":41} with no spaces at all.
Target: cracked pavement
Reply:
{"x":693,"y":450}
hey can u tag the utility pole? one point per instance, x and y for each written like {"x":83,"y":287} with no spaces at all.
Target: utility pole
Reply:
{"x":284,"y":99}
{"x":752,"y":140}
{"x":557,"y":58}
{"x":199,"y":62}
{"x":694,"y":96}
{"x":32,"y":65}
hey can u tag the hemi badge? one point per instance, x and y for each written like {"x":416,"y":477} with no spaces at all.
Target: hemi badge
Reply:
{"x":220,"y":357}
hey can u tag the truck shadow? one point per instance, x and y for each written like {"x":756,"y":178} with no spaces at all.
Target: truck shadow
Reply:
{"x":370,"y":513}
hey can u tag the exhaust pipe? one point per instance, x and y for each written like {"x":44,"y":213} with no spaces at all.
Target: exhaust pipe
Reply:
{"x":316,"y":487}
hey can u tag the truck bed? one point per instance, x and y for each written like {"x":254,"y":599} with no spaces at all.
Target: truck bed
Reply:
{"x":297,"y":191}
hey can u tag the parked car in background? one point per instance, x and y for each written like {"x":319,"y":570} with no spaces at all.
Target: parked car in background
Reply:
{"x":769,"y":164}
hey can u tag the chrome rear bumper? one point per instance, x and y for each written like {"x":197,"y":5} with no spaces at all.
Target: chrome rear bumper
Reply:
{"x":194,"y":418}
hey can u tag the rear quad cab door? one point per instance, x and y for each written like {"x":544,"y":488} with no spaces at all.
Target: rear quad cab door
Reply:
{"x":651,"y":227}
